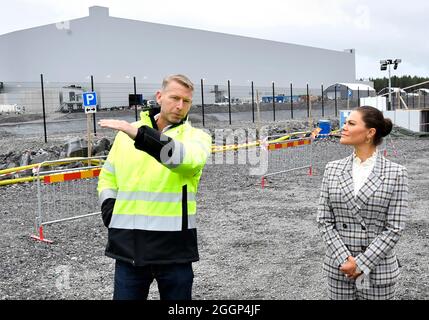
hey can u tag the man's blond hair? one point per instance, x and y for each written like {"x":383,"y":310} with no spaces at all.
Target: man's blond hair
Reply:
{"x":180,"y":78}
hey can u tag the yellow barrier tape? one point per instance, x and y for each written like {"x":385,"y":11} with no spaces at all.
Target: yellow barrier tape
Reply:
{"x":214,"y":149}
{"x":233,"y":147}
{"x":31,"y":166}
{"x":18,"y":180}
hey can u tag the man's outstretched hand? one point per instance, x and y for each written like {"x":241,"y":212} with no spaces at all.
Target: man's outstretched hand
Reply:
{"x":120,"y":125}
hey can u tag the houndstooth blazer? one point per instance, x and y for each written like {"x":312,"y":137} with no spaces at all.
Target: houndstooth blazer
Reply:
{"x":367,"y":226}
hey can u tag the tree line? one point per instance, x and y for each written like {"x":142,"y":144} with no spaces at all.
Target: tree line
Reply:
{"x":401,"y":82}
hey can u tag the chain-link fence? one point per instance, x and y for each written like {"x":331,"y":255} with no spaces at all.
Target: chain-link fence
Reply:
{"x":223,"y":102}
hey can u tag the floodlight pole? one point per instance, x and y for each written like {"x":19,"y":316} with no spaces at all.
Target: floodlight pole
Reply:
{"x":384,"y":65}
{"x":389,"y":107}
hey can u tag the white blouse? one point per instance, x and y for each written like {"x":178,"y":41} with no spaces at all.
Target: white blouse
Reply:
{"x":361,"y":170}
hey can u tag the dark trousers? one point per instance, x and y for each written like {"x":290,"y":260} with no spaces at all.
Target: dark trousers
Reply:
{"x":133,"y":283}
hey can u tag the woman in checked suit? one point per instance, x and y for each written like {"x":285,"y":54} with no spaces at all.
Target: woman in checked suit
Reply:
{"x":362,"y":210}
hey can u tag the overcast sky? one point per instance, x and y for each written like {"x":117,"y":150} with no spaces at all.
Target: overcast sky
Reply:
{"x":377,"y":29}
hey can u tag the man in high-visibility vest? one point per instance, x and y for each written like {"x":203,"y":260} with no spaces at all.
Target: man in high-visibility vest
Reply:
{"x":147,"y":189}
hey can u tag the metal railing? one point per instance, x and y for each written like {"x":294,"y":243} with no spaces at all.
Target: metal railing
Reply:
{"x":66,"y":193}
{"x":285,"y":156}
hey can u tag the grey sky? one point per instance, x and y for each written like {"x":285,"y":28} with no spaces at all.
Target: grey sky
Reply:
{"x":376,"y":29}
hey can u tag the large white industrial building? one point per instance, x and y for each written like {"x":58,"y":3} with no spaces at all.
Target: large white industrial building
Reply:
{"x":114,"y":50}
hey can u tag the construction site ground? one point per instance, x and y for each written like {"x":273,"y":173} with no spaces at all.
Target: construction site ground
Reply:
{"x":254,"y":243}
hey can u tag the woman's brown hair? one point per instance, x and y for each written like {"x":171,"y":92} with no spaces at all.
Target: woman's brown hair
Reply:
{"x":373,"y":118}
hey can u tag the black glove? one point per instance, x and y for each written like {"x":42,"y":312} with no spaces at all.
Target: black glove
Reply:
{"x":107,"y":210}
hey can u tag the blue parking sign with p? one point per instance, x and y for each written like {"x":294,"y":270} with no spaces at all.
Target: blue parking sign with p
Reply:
{"x":89,"y":102}
{"x":89,"y":99}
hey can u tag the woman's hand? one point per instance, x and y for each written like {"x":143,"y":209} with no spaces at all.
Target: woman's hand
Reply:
{"x":349,"y":268}
{"x":120,"y":125}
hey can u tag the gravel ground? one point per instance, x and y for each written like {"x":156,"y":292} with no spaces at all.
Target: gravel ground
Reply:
{"x":254,"y":243}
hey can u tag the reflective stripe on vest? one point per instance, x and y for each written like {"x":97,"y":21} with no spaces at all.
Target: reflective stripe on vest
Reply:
{"x":109,"y":167}
{"x":106,"y":194}
{"x":153,"y":196}
{"x":153,"y":208}
{"x":151,"y":223}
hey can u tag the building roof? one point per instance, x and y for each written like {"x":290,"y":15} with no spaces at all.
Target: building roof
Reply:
{"x":63,"y":45}
{"x":355,"y":86}
{"x":423,"y":90}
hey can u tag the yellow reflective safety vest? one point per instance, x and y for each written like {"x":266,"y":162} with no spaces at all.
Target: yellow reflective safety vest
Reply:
{"x":152,"y":184}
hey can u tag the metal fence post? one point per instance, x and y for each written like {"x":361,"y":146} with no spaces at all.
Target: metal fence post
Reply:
{"x":336,"y":109}
{"x":358,"y":97}
{"x":39,"y":218}
{"x":202,"y":100}
{"x":135,"y":97}
{"x":93,"y":115}
{"x":308,"y":103}
{"x":291,"y":102}
{"x":43,"y":106}
{"x":274,"y":103}
{"x":323,"y":107}
{"x":229,"y":100}
{"x":253,"y":104}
